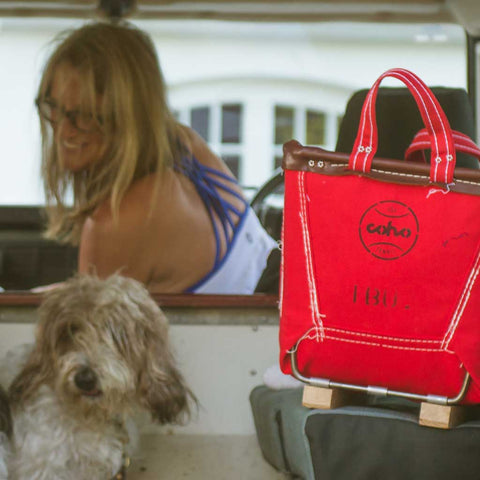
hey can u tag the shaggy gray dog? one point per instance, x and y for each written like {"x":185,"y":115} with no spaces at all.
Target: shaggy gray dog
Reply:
{"x":101,"y":352}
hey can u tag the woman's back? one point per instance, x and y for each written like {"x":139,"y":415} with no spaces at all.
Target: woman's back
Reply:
{"x":172,"y":241}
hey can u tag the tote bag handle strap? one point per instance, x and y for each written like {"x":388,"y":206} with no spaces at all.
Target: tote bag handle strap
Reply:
{"x":436,"y":123}
{"x":421,"y":141}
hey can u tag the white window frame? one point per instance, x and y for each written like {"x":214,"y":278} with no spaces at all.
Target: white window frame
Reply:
{"x":300,"y":127}
{"x":215,"y":130}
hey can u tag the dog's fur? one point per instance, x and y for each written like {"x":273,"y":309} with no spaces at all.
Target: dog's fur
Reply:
{"x":101,"y":350}
{"x":5,"y":433}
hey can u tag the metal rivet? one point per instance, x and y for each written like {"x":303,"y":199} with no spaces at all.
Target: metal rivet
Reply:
{"x":361,"y":148}
{"x":438,"y":160}
{"x":368,"y":149}
{"x":311,"y":163}
{"x":449,"y":158}
{"x":320,"y":164}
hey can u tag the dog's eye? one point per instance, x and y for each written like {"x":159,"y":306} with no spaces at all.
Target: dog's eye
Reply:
{"x":66,"y":335}
{"x":72,"y":330}
{"x":68,"y":332}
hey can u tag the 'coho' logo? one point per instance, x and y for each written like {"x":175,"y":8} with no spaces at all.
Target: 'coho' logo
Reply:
{"x":388,"y":230}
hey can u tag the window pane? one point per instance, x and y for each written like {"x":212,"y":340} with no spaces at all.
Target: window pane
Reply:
{"x":283,"y":124}
{"x":231,"y":121}
{"x":315,"y":128}
{"x":200,"y":121}
{"x":233,"y":163}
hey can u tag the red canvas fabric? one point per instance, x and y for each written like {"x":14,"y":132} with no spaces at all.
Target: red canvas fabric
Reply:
{"x":379,"y":279}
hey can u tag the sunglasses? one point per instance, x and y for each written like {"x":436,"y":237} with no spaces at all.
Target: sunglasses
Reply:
{"x":53,"y":113}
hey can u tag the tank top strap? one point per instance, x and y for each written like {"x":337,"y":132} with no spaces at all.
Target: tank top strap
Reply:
{"x":209,"y":182}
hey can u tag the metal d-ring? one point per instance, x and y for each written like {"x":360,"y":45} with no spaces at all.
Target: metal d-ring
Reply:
{"x":380,"y":391}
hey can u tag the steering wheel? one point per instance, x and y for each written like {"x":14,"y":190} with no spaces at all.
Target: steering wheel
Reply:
{"x":270,"y":213}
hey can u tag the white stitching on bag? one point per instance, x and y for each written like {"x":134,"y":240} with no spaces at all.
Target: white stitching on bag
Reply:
{"x":316,"y":315}
{"x":395,"y":347}
{"x":306,"y":336}
{"x":381,"y":337}
{"x":462,"y":303}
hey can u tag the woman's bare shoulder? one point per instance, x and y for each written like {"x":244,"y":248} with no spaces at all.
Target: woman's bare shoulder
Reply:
{"x":137,"y":203}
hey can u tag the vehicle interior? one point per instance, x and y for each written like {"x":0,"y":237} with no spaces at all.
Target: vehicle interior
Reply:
{"x":28,"y":260}
{"x":244,"y":429}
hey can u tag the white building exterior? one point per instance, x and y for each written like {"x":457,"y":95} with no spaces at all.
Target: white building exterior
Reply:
{"x":242,"y":71}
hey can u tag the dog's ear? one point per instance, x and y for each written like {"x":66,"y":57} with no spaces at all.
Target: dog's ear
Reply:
{"x":163,"y":392}
{"x":161,"y":387}
{"x":35,"y":372}
{"x":39,"y":365}
{"x":5,"y":414}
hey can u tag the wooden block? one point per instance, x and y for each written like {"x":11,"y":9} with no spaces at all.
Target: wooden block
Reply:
{"x":328,"y":398}
{"x":441,"y":416}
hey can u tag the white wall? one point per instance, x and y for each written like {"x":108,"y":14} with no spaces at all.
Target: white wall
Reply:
{"x":221,"y":365}
{"x":19,"y":133}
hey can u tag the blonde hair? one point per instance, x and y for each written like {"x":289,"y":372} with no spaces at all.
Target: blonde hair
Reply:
{"x":141,"y":136}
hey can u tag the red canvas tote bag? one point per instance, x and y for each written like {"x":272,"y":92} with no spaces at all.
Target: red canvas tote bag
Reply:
{"x":380,"y":262}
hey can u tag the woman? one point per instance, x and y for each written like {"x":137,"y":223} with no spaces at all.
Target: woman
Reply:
{"x":149,"y":198}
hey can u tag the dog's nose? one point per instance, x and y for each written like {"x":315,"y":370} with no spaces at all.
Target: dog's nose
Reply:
{"x":85,"y":379}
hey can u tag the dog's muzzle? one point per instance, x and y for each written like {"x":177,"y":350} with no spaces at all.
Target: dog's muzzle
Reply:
{"x":86,"y":381}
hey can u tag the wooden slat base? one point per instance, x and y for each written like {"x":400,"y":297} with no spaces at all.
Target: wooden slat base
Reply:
{"x":441,"y":416}
{"x":431,"y":415}
{"x":328,"y":398}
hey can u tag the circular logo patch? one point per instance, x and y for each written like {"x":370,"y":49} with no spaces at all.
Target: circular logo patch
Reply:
{"x":388,"y":230}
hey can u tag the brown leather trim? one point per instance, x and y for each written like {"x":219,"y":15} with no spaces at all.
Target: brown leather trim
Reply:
{"x":170,"y":300}
{"x":318,"y":160}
